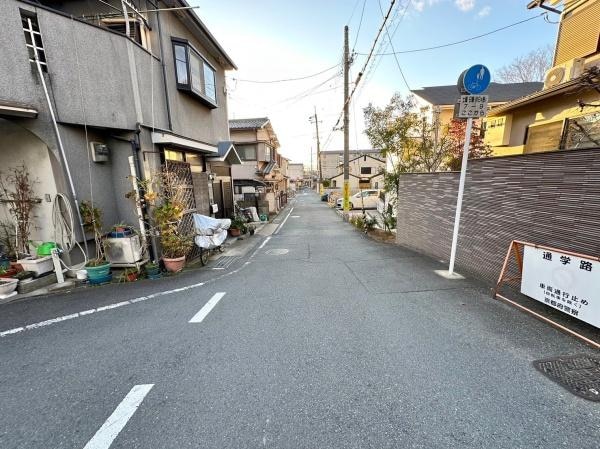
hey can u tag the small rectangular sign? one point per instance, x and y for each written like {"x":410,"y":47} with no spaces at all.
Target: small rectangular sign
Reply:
{"x":472,"y":106}
{"x":562,"y":281}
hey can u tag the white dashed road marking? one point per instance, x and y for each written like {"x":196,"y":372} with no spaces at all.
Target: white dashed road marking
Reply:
{"x":119,"y":418}
{"x":204,"y":311}
{"x":286,"y":219}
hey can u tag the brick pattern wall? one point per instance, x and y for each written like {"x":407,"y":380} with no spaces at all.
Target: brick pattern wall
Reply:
{"x":544,"y":198}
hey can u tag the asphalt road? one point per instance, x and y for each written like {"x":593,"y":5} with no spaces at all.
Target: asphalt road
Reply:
{"x":317,"y":338}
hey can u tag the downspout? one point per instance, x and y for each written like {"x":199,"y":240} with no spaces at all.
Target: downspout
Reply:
{"x":135,"y":146}
{"x":164,"y":72}
{"x":63,"y":155}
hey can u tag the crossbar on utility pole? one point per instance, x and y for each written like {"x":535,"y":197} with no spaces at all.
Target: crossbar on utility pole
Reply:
{"x":346,"y":124}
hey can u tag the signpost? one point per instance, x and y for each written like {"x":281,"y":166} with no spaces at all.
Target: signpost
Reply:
{"x":563,"y":281}
{"x":472,"y":83}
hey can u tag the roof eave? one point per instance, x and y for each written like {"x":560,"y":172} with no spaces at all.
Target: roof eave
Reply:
{"x":533,"y":98}
{"x":229,"y":64}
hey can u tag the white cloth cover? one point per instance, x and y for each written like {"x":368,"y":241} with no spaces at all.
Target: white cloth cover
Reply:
{"x":208,"y":225}
{"x":211,"y":241}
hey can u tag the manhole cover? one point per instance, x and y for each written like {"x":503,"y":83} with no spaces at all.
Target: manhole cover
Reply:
{"x":277,"y":251}
{"x":580,"y":374}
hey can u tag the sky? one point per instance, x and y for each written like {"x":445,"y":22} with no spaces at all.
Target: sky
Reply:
{"x":272,"y":40}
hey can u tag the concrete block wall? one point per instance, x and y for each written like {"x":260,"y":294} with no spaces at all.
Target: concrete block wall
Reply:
{"x":545,"y":198}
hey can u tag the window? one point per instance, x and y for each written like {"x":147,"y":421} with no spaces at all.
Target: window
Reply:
{"x":268,"y":153}
{"x":582,"y":132}
{"x":173,"y":155}
{"x":33,"y":39}
{"x":365,"y":170}
{"x":246,"y":152}
{"x":137,"y":30}
{"x":194,"y":74}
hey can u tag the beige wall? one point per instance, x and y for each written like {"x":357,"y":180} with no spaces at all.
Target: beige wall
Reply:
{"x":17,"y":147}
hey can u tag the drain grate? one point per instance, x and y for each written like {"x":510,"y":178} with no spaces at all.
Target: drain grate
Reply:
{"x":225,"y":262}
{"x":580,"y":374}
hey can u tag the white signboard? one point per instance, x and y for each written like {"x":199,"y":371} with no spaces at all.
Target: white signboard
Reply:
{"x":567,"y":283}
{"x":472,"y":106}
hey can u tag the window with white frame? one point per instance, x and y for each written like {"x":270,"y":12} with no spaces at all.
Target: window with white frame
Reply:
{"x":194,"y":73}
{"x":33,"y":39}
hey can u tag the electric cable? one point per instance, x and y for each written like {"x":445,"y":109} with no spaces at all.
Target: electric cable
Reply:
{"x":285,"y":80}
{"x":450,"y":44}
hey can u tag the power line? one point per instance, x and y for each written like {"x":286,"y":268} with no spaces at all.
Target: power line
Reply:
{"x":436,"y":47}
{"x":392,"y":44}
{"x":362,"y":13}
{"x":360,"y":74}
{"x":287,"y":79}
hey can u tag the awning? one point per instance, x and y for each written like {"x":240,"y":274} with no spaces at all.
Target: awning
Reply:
{"x":17,"y":110}
{"x":167,"y":138}
{"x":226,"y":153}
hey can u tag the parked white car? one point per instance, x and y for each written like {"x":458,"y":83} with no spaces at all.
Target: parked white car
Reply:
{"x":368,"y":198}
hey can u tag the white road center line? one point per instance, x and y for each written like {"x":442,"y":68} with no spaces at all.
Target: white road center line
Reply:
{"x":286,"y":219}
{"x":119,"y":418}
{"x":204,"y":311}
{"x":262,"y":245}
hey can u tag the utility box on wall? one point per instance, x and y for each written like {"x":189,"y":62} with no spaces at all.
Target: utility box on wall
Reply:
{"x":100,"y":152}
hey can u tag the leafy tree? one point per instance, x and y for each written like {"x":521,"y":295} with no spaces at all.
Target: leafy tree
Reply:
{"x":530,"y":67}
{"x":456,"y":138}
{"x":406,"y":137}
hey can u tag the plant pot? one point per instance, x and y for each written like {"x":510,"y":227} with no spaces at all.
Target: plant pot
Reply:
{"x":132,"y":277}
{"x":174,"y":265}
{"x":98,"y":273}
{"x":7,"y":286}
{"x":234,"y":232}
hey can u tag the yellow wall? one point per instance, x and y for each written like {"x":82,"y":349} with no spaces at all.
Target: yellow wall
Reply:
{"x":554,"y":109}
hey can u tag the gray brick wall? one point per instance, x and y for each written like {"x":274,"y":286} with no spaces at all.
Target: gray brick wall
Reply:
{"x":545,"y":198}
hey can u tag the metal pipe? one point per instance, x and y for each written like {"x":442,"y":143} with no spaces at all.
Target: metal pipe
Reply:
{"x":63,"y":154}
{"x":164,"y":72}
{"x":549,"y":321}
{"x":461,"y":190}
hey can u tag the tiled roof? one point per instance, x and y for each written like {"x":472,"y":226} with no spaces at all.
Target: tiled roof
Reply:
{"x":248,"y":123}
{"x":498,"y":93}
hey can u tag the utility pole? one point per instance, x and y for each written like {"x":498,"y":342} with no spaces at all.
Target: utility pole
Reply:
{"x":346,"y":125}
{"x":311,"y":169}
{"x":319,"y":170}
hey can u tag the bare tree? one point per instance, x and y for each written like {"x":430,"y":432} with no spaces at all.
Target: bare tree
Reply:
{"x":530,"y":67}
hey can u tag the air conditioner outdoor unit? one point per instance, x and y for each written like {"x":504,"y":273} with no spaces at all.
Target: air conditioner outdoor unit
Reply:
{"x":100,"y":152}
{"x":564,"y":72}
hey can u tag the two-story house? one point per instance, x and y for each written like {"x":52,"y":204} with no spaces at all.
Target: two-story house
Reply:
{"x":440,"y":102}
{"x":93,"y":93}
{"x":262,"y":170}
{"x":332,"y":161}
{"x":565,"y":114}
{"x":365,"y":172}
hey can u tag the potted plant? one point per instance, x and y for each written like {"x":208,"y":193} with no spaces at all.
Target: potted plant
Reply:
{"x":152,"y":270}
{"x":98,"y":269}
{"x":129,"y":275}
{"x":175,"y":247}
{"x":237,"y":227}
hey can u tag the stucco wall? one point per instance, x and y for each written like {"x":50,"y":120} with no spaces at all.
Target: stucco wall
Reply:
{"x":20,"y":147}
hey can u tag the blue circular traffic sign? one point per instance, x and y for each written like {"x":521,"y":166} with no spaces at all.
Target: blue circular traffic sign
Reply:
{"x":476,"y":79}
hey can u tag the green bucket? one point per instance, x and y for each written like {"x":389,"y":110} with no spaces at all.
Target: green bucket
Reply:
{"x":45,"y":249}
